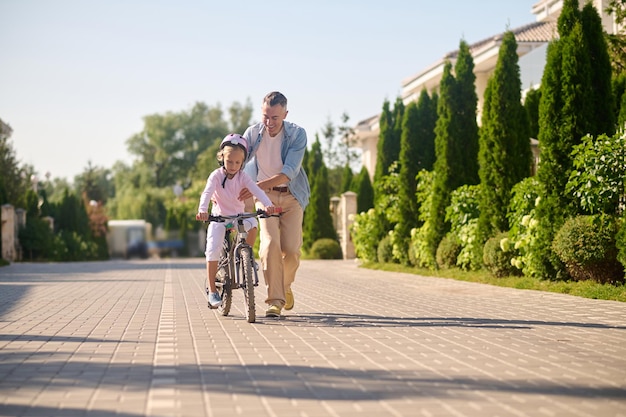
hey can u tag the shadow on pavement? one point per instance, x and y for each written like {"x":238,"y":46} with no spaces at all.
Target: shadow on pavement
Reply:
{"x":297,"y":382}
{"x":363,"y":320}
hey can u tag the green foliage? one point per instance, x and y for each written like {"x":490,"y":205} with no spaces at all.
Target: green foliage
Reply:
{"x":407,"y":204}
{"x":384,"y":252}
{"x":362,"y":186}
{"x":318,"y":222}
{"x":523,"y":220}
{"x":597,"y":178}
{"x":420,"y":253}
{"x":448,"y":251}
{"x":70,"y":246}
{"x":464,"y":165}
{"x":13,"y":179}
{"x":346,"y":179}
{"x":388,"y":146}
{"x":385,"y":142}
{"x":36,"y":236}
{"x":566,"y":115}
{"x":498,"y":254}
{"x":586,"y":245}
{"x":602,"y":102}
{"x":462,"y":215}
{"x":620,"y":241}
{"x":425,"y":131}
{"x":325,"y":249}
{"x":364,"y":233}
{"x":531,"y":106}
{"x":616,"y":42}
{"x":443,"y":167}
{"x":504,"y":154}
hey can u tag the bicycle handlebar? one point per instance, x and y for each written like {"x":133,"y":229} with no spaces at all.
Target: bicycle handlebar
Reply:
{"x":259,"y":213}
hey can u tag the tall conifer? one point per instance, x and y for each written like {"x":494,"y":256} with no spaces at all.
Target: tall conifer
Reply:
{"x":504,"y":152}
{"x":565,"y":116}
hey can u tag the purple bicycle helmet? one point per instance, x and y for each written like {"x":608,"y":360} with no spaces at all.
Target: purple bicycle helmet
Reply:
{"x":235,"y":139}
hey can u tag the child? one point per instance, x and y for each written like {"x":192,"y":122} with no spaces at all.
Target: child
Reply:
{"x":222,"y":189}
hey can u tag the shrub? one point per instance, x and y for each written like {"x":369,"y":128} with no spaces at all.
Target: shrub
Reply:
{"x":448,"y":251}
{"x":364,"y":233}
{"x":620,"y":242}
{"x":586,"y":246}
{"x":325,"y":248}
{"x":497,"y":256}
{"x":385,"y":250}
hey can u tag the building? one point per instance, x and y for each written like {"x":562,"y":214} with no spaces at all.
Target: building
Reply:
{"x":532,"y":40}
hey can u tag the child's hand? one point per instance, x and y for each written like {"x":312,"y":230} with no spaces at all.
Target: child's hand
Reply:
{"x":202,"y":216}
{"x":273,"y":210}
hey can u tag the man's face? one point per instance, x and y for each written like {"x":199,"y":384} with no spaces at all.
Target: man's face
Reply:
{"x":273,"y":117}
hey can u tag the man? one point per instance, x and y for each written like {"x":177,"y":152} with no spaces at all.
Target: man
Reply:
{"x":277,"y":148}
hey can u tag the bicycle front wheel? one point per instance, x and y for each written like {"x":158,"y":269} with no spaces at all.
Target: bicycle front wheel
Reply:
{"x":223,"y":282}
{"x":247,"y":280}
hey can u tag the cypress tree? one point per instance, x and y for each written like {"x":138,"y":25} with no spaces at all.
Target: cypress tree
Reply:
{"x":564,"y":117}
{"x":385,"y":142}
{"x":444,"y":131}
{"x":398,"y":120}
{"x":425,"y":131}
{"x":456,"y":141}
{"x":504,"y":146}
{"x":346,"y":179}
{"x":314,"y":160}
{"x":318,"y":222}
{"x":602,"y":109}
{"x":407,"y":203}
{"x":466,"y":131}
{"x":531,"y":105}
{"x":364,"y":191}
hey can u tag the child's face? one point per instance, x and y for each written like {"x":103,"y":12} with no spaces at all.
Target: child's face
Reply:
{"x":233,"y":159}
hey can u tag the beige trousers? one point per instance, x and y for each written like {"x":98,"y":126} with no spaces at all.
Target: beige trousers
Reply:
{"x":279,"y":246}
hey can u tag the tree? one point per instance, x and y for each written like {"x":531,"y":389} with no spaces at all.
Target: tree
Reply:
{"x":13,"y":181}
{"x":425,"y":131}
{"x":465,"y":145}
{"x":364,"y":191}
{"x":602,"y":106}
{"x":531,"y":105}
{"x":385,"y":143}
{"x":407,"y":204}
{"x":444,"y":165}
{"x":565,"y":117}
{"x":346,"y":179}
{"x":504,"y":146}
{"x":616,"y":42}
{"x":318,"y":222}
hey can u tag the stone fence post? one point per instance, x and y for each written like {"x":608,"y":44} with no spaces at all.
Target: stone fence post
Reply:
{"x":11,"y":220}
{"x":343,"y":210}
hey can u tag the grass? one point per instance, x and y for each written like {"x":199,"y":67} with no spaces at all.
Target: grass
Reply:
{"x":586,"y":289}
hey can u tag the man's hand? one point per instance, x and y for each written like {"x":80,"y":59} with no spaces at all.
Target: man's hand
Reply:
{"x":244,"y":194}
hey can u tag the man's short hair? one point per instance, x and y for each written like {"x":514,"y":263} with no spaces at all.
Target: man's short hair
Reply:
{"x":275,"y":98}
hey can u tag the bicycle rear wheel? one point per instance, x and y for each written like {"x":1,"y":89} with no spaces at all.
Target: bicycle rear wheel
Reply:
{"x":247,"y":281}
{"x":223,"y":282}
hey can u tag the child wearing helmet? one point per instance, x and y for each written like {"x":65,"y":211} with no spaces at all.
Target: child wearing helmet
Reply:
{"x":222,"y":190}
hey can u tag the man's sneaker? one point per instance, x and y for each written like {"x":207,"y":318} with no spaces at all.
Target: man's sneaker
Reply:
{"x":273,"y":311}
{"x":214,"y":300}
{"x":289,"y":301}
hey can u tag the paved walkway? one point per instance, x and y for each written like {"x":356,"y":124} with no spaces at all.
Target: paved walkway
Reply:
{"x":135,"y":338}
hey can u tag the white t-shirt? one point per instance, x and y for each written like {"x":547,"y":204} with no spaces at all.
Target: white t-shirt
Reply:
{"x":268,"y":156}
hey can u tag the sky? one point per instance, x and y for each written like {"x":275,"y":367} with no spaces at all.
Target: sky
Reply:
{"x":78,"y":77}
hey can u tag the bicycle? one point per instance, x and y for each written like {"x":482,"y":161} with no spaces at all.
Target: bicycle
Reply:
{"x":237,"y":268}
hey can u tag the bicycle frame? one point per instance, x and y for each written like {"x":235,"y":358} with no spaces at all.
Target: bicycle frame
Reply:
{"x":236,"y":266}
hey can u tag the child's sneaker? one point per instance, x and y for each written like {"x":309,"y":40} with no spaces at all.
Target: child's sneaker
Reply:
{"x":214,"y":300}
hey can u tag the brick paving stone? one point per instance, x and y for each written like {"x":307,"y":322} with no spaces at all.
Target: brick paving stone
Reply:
{"x":135,"y":338}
